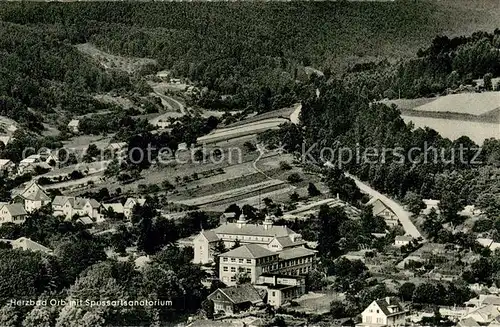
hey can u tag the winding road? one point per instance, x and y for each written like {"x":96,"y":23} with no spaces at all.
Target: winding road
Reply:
{"x":403,"y":215}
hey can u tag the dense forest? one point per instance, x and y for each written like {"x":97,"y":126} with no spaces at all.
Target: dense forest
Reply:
{"x":253,"y":52}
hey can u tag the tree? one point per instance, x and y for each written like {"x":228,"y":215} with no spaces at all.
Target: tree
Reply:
{"x":9,"y":316}
{"x":337,"y":309}
{"x":113,"y":168}
{"x":294,"y":178}
{"x":236,"y":244}
{"x":488,"y":85}
{"x":450,"y":205}
{"x":294,"y":197}
{"x":414,"y":202}
{"x":41,"y":316}
{"x":208,"y":308}
{"x":76,"y":254}
{"x":313,"y":190}
{"x":406,"y":291}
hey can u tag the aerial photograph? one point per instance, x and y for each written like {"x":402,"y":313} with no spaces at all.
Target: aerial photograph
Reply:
{"x":250,"y":163}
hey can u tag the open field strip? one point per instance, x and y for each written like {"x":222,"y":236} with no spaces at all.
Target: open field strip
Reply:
{"x":464,"y":103}
{"x":247,"y":129}
{"x":255,"y":200}
{"x":231,"y":193}
{"x":283,"y":113}
{"x":453,"y":129}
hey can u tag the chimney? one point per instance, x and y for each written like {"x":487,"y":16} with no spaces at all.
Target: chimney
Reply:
{"x":338,"y":196}
{"x":388,"y":300}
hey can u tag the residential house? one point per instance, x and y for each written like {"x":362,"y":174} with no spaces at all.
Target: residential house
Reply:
{"x":33,"y":197}
{"x":129,"y":205}
{"x":484,"y":314}
{"x":227,"y":217}
{"x":12,"y":213}
{"x":384,"y":312}
{"x":6,"y":167}
{"x":483,"y":300}
{"x":69,"y":206}
{"x":118,"y":149}
{"x":267,"y":235}
{"x":380,"y":209}
{"x":114,"y":207}
{"x":74,"y":125}
{"x":5,"y":139}
{"x":402,"y":240}
{"x":27,"y":244}
{"x":235,"y":299}
{"x":29,"y":163}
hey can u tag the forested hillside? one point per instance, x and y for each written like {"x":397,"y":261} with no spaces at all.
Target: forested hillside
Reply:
{"x":252,"y":51}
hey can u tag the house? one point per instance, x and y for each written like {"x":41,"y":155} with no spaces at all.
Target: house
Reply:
{"x":5,"y":139}
{"x":227,"y":217}
{"x":69,"y":206}
{"x":12,"y":213}
{"x":11,"y":128}
{"x":129,"y":205}
{"x":33,"y":197}
{"x":6,"y":167}
{"x":380,"y":209}
{"x":483,"y":300}
{"x":205,"y":243}
{"x":29,"y":245}
{"x":118,"y":149}
{"x":484,"y":314}
{"x":235,"y":299}
{"x":74,"y":125}
{"x":115,"y":207}
{"x":267,"y":235}
{"x":281,"y":288}
{"x":402,"y":240}
{"x":384,"y":312}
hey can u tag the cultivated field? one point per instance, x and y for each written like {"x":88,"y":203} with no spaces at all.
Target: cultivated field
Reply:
{"x":243,"y":130}
{"x":453,"y":129}
{"x":464,"y":103}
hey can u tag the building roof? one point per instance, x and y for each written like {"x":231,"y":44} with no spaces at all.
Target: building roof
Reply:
{"x":117,"y":146}
{"x":210,"y":235}
{"x":116,"y":207}
{"x":487,"y":312}
{"x":286,"y":241}
{"x":249,"y":251}
{"x":467,"y":322}
{"x":27,"y":244}
{"x":241,"y":294}
{"x":253,"y":230}
{"x":4,"y":162}
{"x":15,"y":209}
{"x":131,"y":202}
{"x":378,"y":206}
{"x":74,"y":122}
{"x":385,"y":303}
{"x":403,"y":238}
{"x":38,"y":195}
{"x":491,"y":299}
{"x":5,"y":139}
{"x":297,"y":252}
{"x":85,"y":220}
{"x":76,"y":203}
{"x":211,"y":323}
{"x":60,"y":200}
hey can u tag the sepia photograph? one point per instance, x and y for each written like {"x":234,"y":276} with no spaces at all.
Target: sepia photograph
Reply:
{"x":250,"y":163}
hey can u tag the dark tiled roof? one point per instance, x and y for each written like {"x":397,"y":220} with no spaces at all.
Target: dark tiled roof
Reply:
{"x":242,"y":294}
{"x":248,"y":251}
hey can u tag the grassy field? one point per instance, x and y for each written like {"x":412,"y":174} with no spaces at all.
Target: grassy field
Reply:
{"x":464,"y":103}
{"x":453,"y":129}
{"x":109,"y":61}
